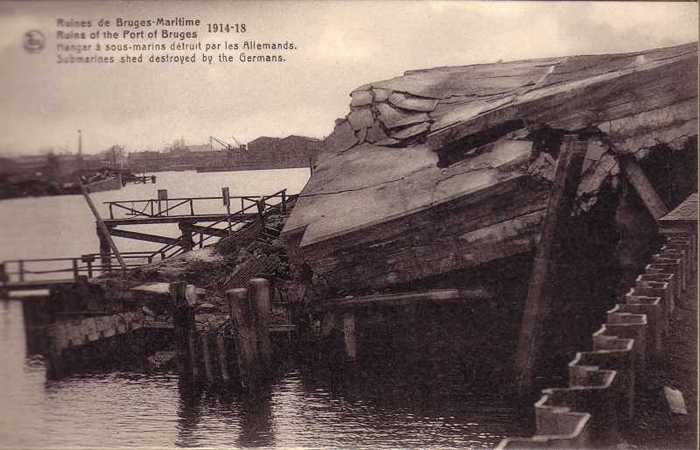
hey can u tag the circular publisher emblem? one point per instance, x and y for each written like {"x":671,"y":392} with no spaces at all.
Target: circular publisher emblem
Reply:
{"x":34,"y":41}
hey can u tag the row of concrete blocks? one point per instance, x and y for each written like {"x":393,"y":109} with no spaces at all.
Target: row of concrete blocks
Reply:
{"x":77,"y":332}
{"x":602,"y":382}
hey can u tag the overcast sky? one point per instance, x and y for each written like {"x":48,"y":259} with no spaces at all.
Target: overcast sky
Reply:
{"x":341,"y":46}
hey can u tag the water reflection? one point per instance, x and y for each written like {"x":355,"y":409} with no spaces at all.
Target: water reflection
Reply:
{"x":410,"y":388}
{"x":189,"y":416}
{"x":256,"y":421}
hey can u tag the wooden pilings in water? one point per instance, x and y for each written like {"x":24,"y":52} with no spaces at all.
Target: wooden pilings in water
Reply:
{"x":250,"y":313}
{"x":207,"y":357}
{"x":183,"y":321}
{"x":259,"y":296}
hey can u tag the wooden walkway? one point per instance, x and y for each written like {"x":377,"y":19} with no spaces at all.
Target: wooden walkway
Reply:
{"x":246,"y":222}
{"x":47,"y":273}
{"x":200,"y":219}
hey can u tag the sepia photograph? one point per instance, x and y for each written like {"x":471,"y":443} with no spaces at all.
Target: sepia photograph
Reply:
{"x":348,"y":224}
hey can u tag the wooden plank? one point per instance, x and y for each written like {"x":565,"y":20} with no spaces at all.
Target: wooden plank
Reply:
{"x":561,"y":198}
{"x":210,"y":231}
{"x":361,"y":118}
{"x":241,"y":217}
{"x":381,"y":95}
{"x":37,"y":284}
{"x":406,"y":298}
{"x":412,"y":103}
{"x":145,"y":237}
{"x":419,"y":252}
{"x":634,"y":173}
{"x":594,"y":100}
{"x":411,"y":131}
{"x":361,"y":98}
{"x":392,"y":118}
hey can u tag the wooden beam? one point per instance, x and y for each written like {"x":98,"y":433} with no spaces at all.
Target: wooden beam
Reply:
{"x":209,"y":231}
{"x":144,"y":237}
{"x":561,"y":198}
{"x":139,"y":220}
{"x":406,"y":298}
{"x":635,"y":175}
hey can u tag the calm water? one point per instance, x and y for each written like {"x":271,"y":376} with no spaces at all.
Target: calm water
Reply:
{"x":390,"y":406}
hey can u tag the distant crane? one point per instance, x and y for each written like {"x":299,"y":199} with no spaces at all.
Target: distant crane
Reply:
{"x":226,"y":145}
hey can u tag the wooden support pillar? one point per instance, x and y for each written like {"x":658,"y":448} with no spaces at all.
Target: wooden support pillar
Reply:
{"x":243,"y":317}
{"x":88,"y":259}
{"x":561,"y":197}
{"x":350,"y":336}
{"x":76,"y":271}
{"x":261,"y":211}
{"x":207,"y":357}
{"x":223,"y":359}
{"x":105,"y":250}
{"x":4,"y":278}
{"x":259,"y":291}
{"x":194,"y":356}
{"x":183,"y":322}
{"x":186,"y":228}
{"x":56,"y":366}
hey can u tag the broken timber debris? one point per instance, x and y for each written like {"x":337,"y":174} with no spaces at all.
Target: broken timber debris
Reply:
{"x":379,"y":210}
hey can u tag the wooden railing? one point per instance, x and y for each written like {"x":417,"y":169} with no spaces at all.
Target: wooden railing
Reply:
{"x":91,"y":264}
{"x":187,"y":206}
{"x":263,"y":206}
{"x":21,"y":270}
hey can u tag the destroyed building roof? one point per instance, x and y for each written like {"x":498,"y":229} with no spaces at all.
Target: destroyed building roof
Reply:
{"x":381,"y":161}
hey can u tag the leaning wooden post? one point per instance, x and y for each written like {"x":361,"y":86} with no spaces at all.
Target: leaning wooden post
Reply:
{"x":246,"y":342}
{"x":259,"y":291}
{"x":635,"y":175}
{"x":561,"y":198}
{"x":105,"y":252}
{"x":103,"y":231}
{"x":183,"y":322}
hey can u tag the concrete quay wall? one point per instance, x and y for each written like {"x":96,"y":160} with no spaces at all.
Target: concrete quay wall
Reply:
{"x":600,"y":396}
